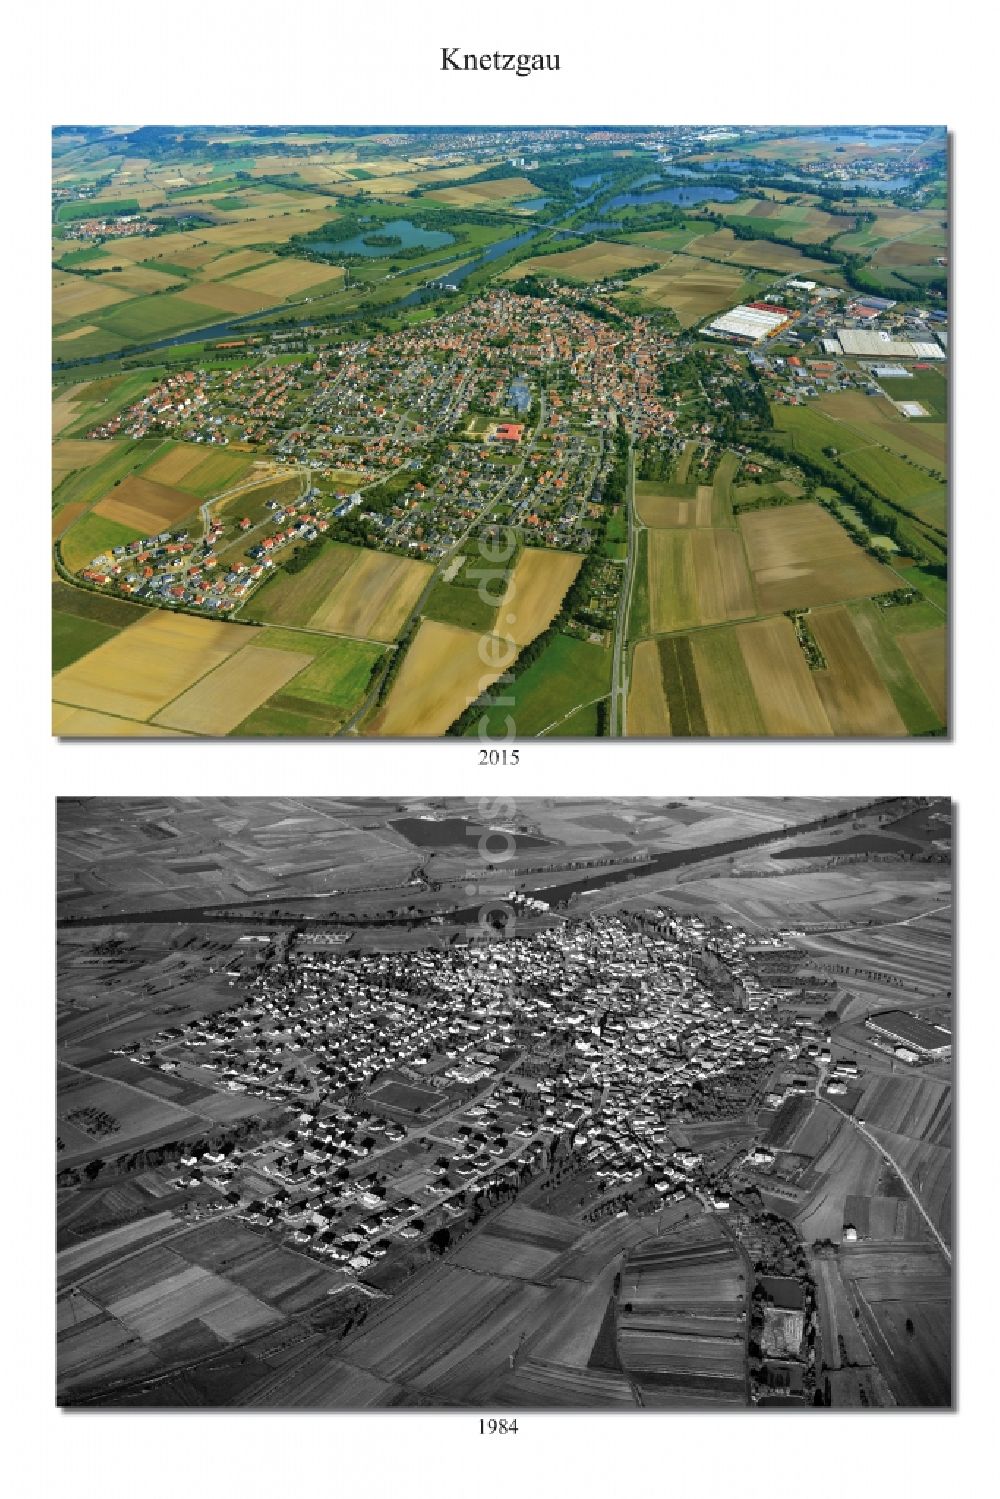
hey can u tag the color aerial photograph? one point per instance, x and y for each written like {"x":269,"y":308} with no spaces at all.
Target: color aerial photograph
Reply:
{"x":623,"y":1104}
{"x":593,"y":431}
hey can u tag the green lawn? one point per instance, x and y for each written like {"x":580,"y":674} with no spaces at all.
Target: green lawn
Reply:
{"x":91,"y":535}
{"x":453,"y":605}
{"x":101,"y":607}
{"x":929,"y":387}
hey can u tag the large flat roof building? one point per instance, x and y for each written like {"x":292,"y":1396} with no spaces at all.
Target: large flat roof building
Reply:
{"x":926,"y":1040}
{"x":872,"y":341}
{"x":750,"y":322}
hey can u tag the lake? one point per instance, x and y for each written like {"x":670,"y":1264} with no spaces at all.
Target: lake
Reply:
{"x":878,"y":184}
{"x":680,"y":197}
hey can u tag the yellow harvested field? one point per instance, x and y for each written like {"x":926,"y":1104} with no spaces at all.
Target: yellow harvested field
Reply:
{"x":696,"y":578}
{"x":657,"y":508}
{"x":145,"y":505}
{"x":177,"y":464}
{"x":585,"y":262}
{"x":81,"y":332}
{"x":260,"y":230}
{"x":231,"y":692}
{"x":85,"y":723}
{"x":856,"y":699}
{"x":287,"y":277}
{"x":139,"y":671}
{"x":66,"y":407}
{"x":691,"y":288}
{"x":799,"y":555}
{"x":927,"y":655}
{"x":855,"y":406}
{"x":373,"y":598}
{"x":722,"y":582}
{"x":227,"y":296}
{"x":782,"y":682}
{"x":648,"y":713}
{"x":496,"y":191}
{"x":535,"y":590}
{"x":71,"y":453}
{"x":235,"y":261}
{"x":141,"y":278}
{"x":73,"y":296}
{"x":446,"y":668}
{"x":723,"y":245}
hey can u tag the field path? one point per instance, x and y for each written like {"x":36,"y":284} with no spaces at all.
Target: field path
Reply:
{"x":876,"y":1144}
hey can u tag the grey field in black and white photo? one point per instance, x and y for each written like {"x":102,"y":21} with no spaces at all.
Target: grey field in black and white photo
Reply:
{"x":624,"y":1104}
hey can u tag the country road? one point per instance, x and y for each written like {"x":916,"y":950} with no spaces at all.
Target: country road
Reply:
{"x":863,"y":1129}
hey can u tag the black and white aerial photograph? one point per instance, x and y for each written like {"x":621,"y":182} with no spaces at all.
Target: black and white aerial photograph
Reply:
{"x":542,"y":1104}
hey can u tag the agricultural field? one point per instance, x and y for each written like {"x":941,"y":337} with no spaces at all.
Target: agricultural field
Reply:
{"x":567,"y":678}
{"x":535,"y":592}
{"x":681,"y":1314}
{"x":373,"y":598}
{"x":799,"y":556}
{"x":593,"y":262}
{"x":444,"y":670}
{"x":692,"y":289}
{"x":139,"y":671}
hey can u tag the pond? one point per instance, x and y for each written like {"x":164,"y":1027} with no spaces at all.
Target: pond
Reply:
{"x":531,"y":202}
{"x":405,"y":236}
{"x":451,"y":832}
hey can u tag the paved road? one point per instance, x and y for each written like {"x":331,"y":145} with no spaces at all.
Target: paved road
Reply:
{"x":619,"y":657}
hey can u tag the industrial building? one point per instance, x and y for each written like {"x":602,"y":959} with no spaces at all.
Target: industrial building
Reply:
{"x":909,"y":1031}
{"x":865,"y":342}
{"x":751,"y":322}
